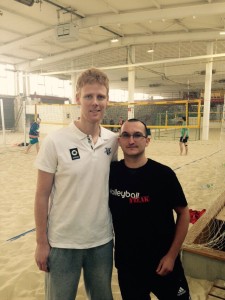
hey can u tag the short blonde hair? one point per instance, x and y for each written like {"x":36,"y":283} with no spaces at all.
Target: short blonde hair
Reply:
{"x":92,"y":76}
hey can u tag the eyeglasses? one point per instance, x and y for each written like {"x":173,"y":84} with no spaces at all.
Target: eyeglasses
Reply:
{"x":136,"y":136}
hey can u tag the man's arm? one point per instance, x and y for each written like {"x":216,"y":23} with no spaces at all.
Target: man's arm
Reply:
{"x":182,"y":223}
{"x":43,"y":191}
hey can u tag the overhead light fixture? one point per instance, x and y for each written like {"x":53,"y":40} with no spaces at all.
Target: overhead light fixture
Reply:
{"x":26,"y":2}
{"x":150,"y":50}
{"x":114,"y":40}
{"x":222,"y":32}
{"x":39,"y":58}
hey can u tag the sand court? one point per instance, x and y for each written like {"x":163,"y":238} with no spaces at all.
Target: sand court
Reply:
{"x":201,"y":173}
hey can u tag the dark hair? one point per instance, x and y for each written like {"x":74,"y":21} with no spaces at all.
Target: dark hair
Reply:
{"x":184,"y":118}
{"x":136,"y":120}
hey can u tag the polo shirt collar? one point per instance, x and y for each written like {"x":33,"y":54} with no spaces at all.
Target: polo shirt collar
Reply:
{"x":81,"y":135}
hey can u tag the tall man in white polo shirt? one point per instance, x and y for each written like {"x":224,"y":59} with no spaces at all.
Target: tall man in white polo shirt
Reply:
{"x":73,"y":223}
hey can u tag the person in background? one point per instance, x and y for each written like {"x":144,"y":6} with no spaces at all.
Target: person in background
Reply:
{"x":184,"y":137}
{"x":34,"y":135}
{"x":121,"y":121}
{"x":144,"y":195}
{"x":73,"y":221}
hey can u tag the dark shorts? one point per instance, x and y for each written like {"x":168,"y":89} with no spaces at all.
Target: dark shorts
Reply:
{"x":184,"y":140}
{"x":138,"y":283}
{"x":34,"y":141}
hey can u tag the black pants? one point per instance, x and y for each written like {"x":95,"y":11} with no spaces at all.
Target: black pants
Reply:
{"x":138,"y":283}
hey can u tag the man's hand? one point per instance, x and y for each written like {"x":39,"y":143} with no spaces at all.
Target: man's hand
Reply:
{"x":41,"y":256}
{"x":165,"y":266}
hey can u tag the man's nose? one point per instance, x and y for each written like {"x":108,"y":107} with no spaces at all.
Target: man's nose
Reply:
{"x":95,"y":100}
{"x":131,"y":139}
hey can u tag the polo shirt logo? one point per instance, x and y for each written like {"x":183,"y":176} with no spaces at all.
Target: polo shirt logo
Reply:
{"x":74,"y":153}
{"x":108,"y":151}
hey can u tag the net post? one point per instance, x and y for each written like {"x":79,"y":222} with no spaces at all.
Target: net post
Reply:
{"x":24,"y":122}
{"x":3,"y":120}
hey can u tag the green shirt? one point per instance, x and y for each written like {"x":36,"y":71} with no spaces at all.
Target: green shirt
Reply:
{"x":184,"y":132}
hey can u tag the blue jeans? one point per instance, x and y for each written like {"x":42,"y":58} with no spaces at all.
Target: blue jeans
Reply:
{"x":65,"y":267}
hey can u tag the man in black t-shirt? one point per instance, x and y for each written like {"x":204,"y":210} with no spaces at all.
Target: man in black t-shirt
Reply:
{"x":144,"y":195}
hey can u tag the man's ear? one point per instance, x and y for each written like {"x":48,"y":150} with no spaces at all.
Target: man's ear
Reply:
{"x":78,"y":98}
{"x":147,"y":141}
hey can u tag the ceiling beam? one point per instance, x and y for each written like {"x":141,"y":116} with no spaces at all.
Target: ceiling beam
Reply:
{"x":180,"y":23}
{"x":165,"y":61}
{"x":146,"y":15}
{"x":26,"y":40}
{"x":111,"y":7}
{"x":144,"y":39}
{"x":156,"y":4}
{"x":22,"y":15}
{"x":122,"y":18}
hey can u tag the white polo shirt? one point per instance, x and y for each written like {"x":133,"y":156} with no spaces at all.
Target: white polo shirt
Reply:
{"x":79,"y":215}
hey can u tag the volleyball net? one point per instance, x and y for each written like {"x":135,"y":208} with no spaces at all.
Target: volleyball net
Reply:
{"x":207,"y":236}
{"x":162,"y":117}
{"x":159,"y":116}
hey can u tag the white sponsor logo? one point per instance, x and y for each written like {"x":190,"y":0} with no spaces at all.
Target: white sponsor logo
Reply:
{"x":124,"y":194}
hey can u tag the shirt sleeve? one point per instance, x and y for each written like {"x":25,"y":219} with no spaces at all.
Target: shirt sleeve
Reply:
{"x":177,"y":196}
{"x":47,"y":159}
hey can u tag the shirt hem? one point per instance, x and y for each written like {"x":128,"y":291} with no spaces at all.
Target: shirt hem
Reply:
{"x":78,"y":246}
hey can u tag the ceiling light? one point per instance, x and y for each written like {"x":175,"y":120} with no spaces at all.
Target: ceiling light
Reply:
{"x":26,"y":2}
{"x":222,"y":32}
{"x":114,"y":40}
{"x":150,"y":50}
{"x":39,"y":58}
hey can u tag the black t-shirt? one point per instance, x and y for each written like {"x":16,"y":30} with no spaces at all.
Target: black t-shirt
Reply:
{"x":141,"y":202}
